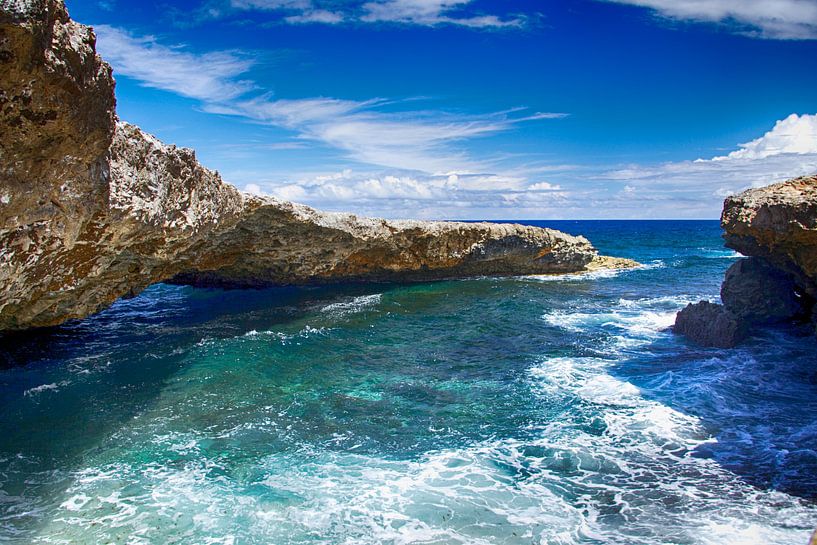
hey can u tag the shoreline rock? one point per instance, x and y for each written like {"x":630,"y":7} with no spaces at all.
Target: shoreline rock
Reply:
{"x":93,"y":209}
{"x":710,"y":324}
{"x":777,"y":227}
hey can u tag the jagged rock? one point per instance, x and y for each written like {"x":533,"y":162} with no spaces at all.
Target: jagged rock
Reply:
{"x":92,"y":209}
{"x":758,"y":292}
{"x":778,"y":222}
{"x":710,"y":324}
{"x":777,"y":225}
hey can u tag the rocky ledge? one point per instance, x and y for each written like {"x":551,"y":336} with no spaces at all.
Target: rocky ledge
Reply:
{"x":93,"y":209}
{"x":777,"y":227}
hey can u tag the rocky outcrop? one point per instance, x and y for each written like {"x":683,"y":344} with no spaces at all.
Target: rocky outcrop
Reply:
{"x":710,"y":324}
{"x":93,"y":209}
{"x":777,"y":226}
{"x":757,"y":292}
{"x":778,"y":222}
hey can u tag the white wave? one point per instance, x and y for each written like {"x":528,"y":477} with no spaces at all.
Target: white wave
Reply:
{"x":673,"y":301}
{"x":599,"y":274}
{"x":53,"y":387}
{"x":643,"y":453}
{"x":576,"y":488}
{"x":573,"y":277}
{"x":637,"y":324}
{"x":306,"y":332}
{"x":357,"y":304}
{"x":720,"y":254}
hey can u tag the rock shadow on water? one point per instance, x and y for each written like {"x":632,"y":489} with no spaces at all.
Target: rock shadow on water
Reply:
{"x":68,"y":390}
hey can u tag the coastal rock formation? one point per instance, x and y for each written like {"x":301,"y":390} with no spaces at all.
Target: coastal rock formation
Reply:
{"x":757,"y":292}
{"x":777,"y":226}
{"x":778,"y":222}
{"x":93,"y":209}
{"x":710,"y":324}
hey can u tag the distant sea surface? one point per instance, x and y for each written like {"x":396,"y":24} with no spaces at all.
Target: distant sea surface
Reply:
{"x":526,"y":410}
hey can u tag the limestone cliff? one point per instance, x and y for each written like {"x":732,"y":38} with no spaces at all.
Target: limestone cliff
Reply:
{"x":779,"y":223}
{"x":93,"y":209}
{"x":777,"y":226}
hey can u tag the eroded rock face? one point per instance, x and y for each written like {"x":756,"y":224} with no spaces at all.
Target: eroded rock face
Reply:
{"x":779,"y":223}
{"x":777,"y":226}
{"x":756,"y":291}
{"x":710,"y":324}
{"x":92,"y":209}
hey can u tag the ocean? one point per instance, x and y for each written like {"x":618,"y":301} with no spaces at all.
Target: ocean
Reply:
{"x":526,"y":410}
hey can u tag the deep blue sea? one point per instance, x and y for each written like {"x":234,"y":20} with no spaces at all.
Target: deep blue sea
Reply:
{"x":527,"y":410}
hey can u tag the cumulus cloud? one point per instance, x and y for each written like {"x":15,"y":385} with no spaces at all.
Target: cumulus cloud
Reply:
{"x":796,"y":134}
{"x":775,"y":19}
{"x":695,"y":188}
{"x":465,"y":195}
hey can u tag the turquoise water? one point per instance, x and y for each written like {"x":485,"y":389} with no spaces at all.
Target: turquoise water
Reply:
{"x":523,"y":410}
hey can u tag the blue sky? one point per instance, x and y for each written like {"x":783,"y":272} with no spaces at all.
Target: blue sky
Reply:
{"x":476,"y":109}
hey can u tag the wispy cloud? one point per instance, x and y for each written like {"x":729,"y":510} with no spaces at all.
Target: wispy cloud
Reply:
{"x":411,"y":162}
{"x":431,"y":13}
{"x":209,"y":77}
{"x":411,"y":140}
{"x":363,"y":130}
{"x":408,"y":12}
{"x":774,"y":19}
{"x":415,"y":140}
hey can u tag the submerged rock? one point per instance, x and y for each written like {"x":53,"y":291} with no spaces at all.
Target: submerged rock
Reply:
{"x":710,"y":324}
{"x":93,"y":209}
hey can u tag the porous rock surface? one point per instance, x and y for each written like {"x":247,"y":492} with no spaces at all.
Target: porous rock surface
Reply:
{"x":777,"y":226}
{"x":778,"y":222}
{"x":756,"y":291}
{"x":710,"y":324}
{"x":93,"y":209}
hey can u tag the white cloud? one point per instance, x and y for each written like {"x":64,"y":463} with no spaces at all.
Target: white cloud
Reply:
{"x":401,"y":194}
{"x":321,"y":16}
{"x":682,"y":189}
{"x":544,"y":186}
{"x":415,"y":12}
{"x":417,"y":140}
{"x":208,"y":77}
{"x":301,"y":11}
{"x":776,"y":19}
{"x":412,"y":140}
{"x":430,"y":13}
{"x":696,"y":188}
{"x":795,"y":134}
